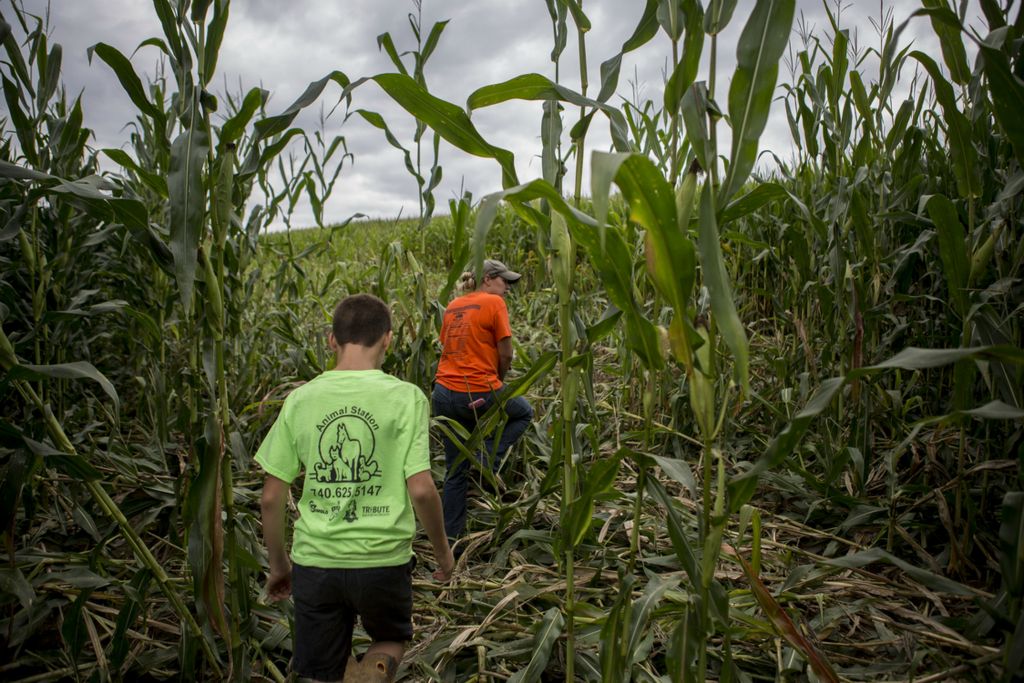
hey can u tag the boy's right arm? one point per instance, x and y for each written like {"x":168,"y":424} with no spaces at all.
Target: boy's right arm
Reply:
{"x":427,"y":504}
{"x":273,"y":503}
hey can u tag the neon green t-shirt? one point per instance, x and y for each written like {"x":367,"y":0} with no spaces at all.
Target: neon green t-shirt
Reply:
{"x":358,"y":435}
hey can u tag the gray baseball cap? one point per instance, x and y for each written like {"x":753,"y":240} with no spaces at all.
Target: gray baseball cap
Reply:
{"x":493,"y":267}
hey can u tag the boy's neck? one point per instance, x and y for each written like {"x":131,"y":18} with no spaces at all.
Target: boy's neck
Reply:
{"x":357,"y":357}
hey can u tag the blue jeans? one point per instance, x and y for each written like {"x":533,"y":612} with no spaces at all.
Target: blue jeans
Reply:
{"x":455,"y":405}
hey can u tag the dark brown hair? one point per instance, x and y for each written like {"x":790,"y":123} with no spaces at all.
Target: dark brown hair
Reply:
{"x":361,"y":319}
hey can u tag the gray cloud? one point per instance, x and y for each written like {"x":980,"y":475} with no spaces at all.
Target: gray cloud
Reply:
{"x":484,"y":42}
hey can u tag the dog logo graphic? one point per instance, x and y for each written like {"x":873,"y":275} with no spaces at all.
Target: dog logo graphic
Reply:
{"x":347,"y":452}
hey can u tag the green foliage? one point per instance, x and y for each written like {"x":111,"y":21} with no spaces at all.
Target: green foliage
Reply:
{"x":820,"y":370}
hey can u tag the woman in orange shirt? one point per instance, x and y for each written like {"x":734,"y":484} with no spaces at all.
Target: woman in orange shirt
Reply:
{"x":476,"y":354}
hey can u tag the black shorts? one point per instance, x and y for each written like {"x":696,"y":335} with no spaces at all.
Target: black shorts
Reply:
{"x":327,"y":602}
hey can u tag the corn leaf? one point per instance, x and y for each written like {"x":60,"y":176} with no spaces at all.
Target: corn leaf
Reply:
{"x":652,"y":204}
{"x":71,"y":464}
{"x":544,"y":638}
{"x":73,"y":629}
{"x":187,"y":206}
{"x":153,"y":181}
{"x":87,"y":192}
{"x":129,"y":80}
{"x":16,"y":172}
{"x":680,"y":543}
{"x":551,"y":134}
{"x":1011,"y":543}
{"x":75,"y":370}
{"x":989,"y":326}
{"x":49,"y":79}
{"x":958,"y":131}
{"x":578,"y":17}
{"x":576,"y":518}
{"x":538,"y":87}
{"x":840,"y":63}
{"x":994,"y":14}
{"x":947,"y":26}
{"x":459,"y":246}
{"x":12,"y":582}
{"x":757,"y":198}
{"x":687,"y":640}
{"x":753,"y":84}
{"x":448,"y":120}
{"x":1015,"y":649}
{"x":377,"y":121}
{"x":912,"y":358}
{"x":602,"y":174}
{"x":387,"y":43}
{"x":742,"y":486}
{"x":206,"y":536}
{"x":693,"y":45}
{"x":716,"y":279}
{"x":785,"y":626}
{"x":234,"y":127}
{"x":520,"y":196}
{"x":994,"y":410}
{"x":24,"y":128}
{"x":717,"y":16}
{"x":642,"y":608}
{"x":645,"y":29}
{"x":922,"y":576}
{"x":134,"y":605}
{"x":14,"y":54}
{"x":861,"y":100}
{"x":679,"y":470}
{"x":430,"y":44}
{"x":695,"y":117}
{"x":952,"y":248}
{"x":614,"y":265}
{"x":615,"y":659}
{"x":538,"y":370}
{"x":1006,"y":90}
{"x":272,"y":125}
{"x":579,"y":514}
{"x":214,"y":38}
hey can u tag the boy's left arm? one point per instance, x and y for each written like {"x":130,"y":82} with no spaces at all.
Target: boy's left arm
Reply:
{"x":273,"y":504}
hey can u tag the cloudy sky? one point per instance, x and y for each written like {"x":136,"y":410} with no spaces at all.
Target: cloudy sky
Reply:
{"x":284,"y":46}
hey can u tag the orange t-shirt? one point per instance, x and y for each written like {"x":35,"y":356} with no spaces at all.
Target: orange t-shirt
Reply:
{"x":472,"y":327}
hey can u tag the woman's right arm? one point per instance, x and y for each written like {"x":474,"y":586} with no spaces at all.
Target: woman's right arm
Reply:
{"x":504,"y":357}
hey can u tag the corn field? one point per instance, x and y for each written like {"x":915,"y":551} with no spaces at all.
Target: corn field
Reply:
{"x":779,"y":428}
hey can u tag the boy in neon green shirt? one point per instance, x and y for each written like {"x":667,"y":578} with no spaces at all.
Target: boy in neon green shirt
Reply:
{"x":361,"y":437}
